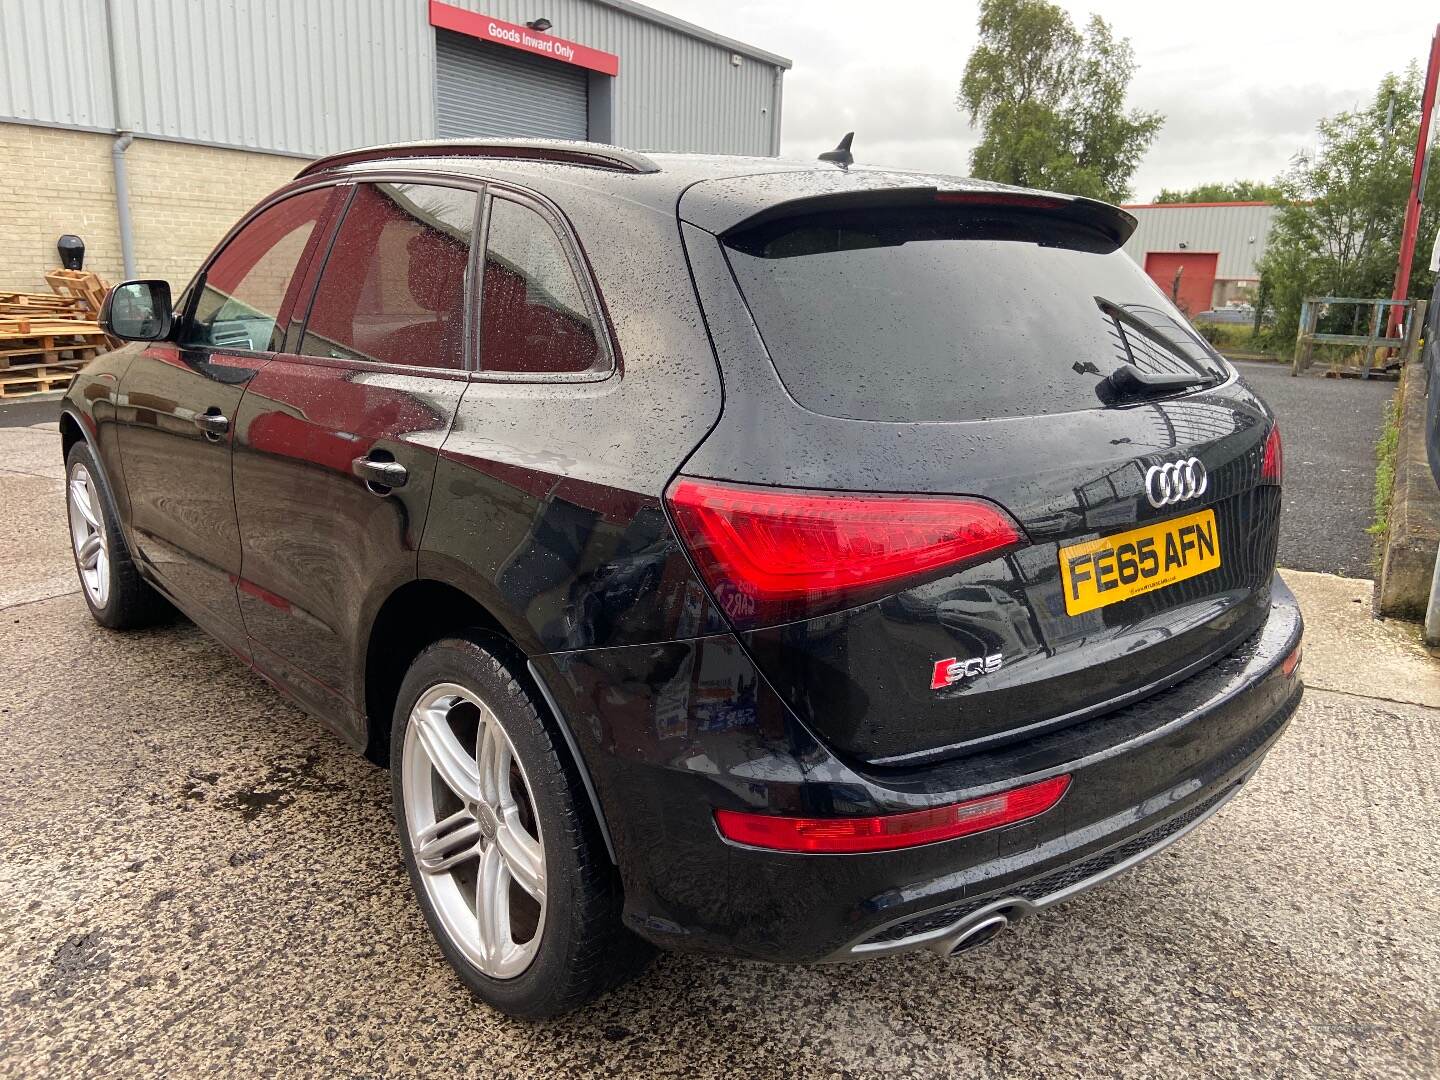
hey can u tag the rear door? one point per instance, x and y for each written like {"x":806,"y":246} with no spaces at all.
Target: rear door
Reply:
{"x":337,"y":438}
{"x":952,"y":350}
{"x":180,"y":400}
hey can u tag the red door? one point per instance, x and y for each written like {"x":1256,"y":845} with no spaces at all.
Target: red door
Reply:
{"x":1196,"y":277}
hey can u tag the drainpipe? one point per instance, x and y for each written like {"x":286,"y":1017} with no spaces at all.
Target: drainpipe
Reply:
{"x":122,"y":201}
{"x":124,"y":137}
{"x":775,"y":102}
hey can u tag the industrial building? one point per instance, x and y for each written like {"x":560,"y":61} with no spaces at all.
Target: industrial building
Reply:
{"x":147,"y":127}
{"x":1204,"y":255}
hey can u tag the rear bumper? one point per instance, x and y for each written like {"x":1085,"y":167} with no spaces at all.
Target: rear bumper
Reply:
{"x":947,"y":928}
{"x":669,"y":733}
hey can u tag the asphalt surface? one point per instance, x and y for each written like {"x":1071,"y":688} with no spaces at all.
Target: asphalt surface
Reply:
{"x":194,"y":877}
{"x":1329,"y":428}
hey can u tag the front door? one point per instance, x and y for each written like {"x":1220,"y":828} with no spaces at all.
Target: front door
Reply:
{"x":338,"y":440}
{"x":179,"y":401}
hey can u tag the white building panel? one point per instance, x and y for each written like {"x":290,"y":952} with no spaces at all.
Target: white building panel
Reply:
{"x":1237,"y":231}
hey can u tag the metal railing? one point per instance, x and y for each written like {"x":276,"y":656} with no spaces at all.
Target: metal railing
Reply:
{"x":1373,"y":344}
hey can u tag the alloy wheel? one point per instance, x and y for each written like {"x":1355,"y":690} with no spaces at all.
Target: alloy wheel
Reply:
{"x":87,"y":534}
{"x":473,"y":830}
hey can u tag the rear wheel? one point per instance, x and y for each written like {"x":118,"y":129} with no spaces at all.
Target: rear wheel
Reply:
{"x":112,"y":586}
{"x":503,"y":855}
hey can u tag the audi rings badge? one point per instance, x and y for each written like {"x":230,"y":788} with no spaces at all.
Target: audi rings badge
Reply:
{"x":1175,"y":482}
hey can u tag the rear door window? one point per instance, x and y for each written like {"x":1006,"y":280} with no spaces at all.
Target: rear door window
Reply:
{"x":393,"y":288}
{"x":246,"y":284}
{"x":925,"y":315}
{"x":534,"y":315}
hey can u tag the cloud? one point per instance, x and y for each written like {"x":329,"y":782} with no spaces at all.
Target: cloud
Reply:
{"x":1241,"y":91}
{"x":902,"y":118}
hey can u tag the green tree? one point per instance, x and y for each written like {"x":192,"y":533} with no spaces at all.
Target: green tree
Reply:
{"x":1051,"y":100}
{"x":1339,"y":231}
{"x":1234,"y":191}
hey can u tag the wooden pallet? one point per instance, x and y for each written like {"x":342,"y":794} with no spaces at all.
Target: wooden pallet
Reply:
{"x":47,"y":351}
{"x":39,"y":340}
{"x":47,"y":305}
{"x":81,"y":285}
{"x":39,"y":380}
{"x":87,"y":287}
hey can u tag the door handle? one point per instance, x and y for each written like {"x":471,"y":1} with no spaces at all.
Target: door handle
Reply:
{"x":213,"y":423}
{"x":380,"y":474}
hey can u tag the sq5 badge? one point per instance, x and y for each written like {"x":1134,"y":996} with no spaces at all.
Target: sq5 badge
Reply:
{"x":949,"y":672}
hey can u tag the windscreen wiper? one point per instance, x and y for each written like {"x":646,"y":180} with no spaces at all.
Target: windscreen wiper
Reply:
{"x":1128,"y":383}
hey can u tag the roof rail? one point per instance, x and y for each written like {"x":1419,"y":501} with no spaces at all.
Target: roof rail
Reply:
{"x":588,"y":154}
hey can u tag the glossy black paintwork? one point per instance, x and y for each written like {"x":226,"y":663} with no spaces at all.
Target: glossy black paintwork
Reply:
{"x":182,"y":504}
{"x":321,"y":550}
{"x":862,"y":677}
{"x":671,"y":732}
{"x":542,"y":503}
{"x":552,"y":489}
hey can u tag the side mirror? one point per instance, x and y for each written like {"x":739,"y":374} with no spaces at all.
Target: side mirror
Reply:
{"x":138,"y":311}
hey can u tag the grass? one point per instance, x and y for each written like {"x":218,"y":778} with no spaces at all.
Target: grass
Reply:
{"x":1236,"y":337}
{"x":1386,"y":448}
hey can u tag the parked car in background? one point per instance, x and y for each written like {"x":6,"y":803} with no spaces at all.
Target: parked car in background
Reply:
{"x":770,"y":559}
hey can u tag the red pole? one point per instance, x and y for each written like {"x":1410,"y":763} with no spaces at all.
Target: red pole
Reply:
{"x":1412,"y":206}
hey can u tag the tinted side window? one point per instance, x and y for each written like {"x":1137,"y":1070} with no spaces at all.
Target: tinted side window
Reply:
{"x":244,"y":287}
{"x":393,"y":288}
{"x":533,"y":312}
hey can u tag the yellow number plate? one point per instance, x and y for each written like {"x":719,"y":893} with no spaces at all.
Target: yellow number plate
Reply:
{"x":1114,"y":568}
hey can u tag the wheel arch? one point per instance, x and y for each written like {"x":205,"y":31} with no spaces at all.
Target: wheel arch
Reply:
{"x":71,"y":431}
{"x":421,"y":612}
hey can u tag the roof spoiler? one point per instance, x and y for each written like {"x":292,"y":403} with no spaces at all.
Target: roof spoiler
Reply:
{"x":1111,"y":221}
{"x":587,"y":154}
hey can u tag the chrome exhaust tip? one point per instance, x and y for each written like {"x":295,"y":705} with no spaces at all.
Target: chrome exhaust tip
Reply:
{"x":974,"y":936}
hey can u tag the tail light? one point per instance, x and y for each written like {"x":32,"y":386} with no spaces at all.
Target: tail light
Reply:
{"x":891,"y":831}
{"x":772,"y":555}
{"x":1272,"y":468}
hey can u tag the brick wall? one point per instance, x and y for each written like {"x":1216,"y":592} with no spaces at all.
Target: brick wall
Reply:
{"x":183,"y":199}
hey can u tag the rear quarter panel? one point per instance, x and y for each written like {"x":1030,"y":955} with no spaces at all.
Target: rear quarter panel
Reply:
{"x":547,"y":500}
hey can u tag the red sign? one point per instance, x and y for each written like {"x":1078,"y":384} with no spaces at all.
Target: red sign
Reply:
{"x":483,"y":27}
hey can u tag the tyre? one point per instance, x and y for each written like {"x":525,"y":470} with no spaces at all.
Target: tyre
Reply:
{"x":502,"y":849}
{"x":110,"y":582}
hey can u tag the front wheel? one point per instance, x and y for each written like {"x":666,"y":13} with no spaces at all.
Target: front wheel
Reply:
{"x":503,"y":854}
{"x":111,"y":583}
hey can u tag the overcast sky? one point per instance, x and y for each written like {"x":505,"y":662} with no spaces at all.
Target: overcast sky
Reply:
{"x":1240,"y":84}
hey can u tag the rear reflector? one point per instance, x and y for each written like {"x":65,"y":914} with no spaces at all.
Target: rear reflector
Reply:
{"x":1290,"y":663}
{"x":1272,"y":467}
{"x":848,"y":835}
{"x":774,"y":555}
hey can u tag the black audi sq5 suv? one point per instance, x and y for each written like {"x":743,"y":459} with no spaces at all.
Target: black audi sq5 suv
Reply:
{"x":784,"y":560}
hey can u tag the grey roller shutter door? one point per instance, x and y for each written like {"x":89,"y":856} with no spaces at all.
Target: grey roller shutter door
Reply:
{"x":490,"y":90}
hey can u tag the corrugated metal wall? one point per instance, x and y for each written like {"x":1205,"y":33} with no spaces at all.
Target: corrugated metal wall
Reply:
{"x":304,"y":76}
{"x":674,"y":92}
{"x":1238,"y":233}
{"x":54,"y":66}
{"x":316,"y":76}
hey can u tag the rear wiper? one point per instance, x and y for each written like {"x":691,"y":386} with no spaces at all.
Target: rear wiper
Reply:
{"x":1129,"y":383}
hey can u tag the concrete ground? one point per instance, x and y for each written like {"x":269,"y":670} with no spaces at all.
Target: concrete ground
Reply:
{"x":1329,"y":427}
{"x":195,"y":876}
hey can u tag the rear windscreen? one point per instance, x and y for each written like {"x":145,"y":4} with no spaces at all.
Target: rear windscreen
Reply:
{"x":945,"y":314}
